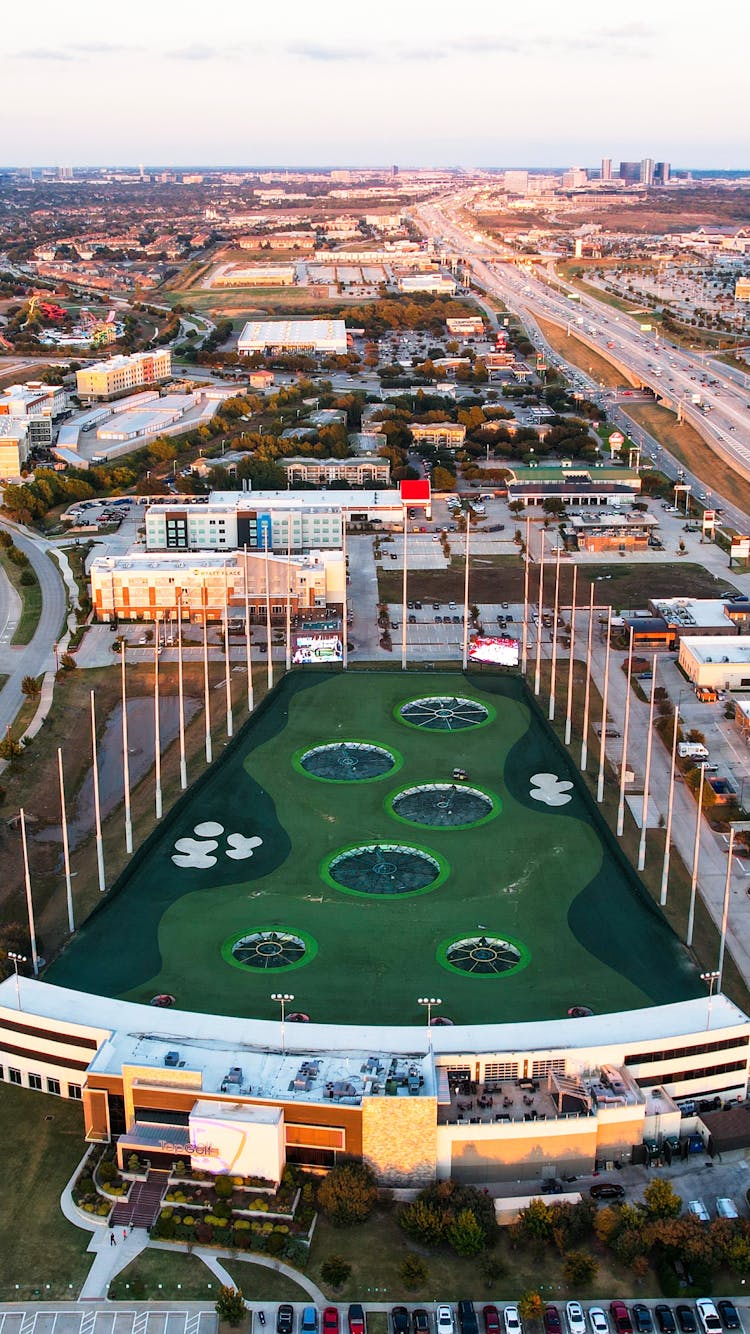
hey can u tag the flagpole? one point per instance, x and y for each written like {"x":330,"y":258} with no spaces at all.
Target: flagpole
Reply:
{"x":538,"y":667}
{"x":345,"y":618}
{"x":587,"y":686}
{"x":647,"y":774}
{"x":248,"y":653}
{"x":181,"y":697}
{"x":157,"y":726}
{"x":555,"y":617}
{"x":66,"y":848}
{"x":206,"y":684}
{"x":288,"y":662}
{"x":569,"y":706}
{"x":268,"y":612}
{"x":625,"y":731}
{"x":403,"y":598}
{"x":670,"y":808}
{"x":126,"y":755}
{"x":227,"y":664}
{"x":97,"y":808}
{"x":29,"y":902}
{"x":525,"y":632}
{"x":605,"y":694}
{"x":465,"y":640}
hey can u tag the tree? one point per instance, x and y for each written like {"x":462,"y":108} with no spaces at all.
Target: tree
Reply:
{"x":230,"y":1305}
{"x":424,"y":1221}
{"x":335,"y":1271}
{"x":349,"y":1193}
{"x":30,"y":687}
{"x":606,"y":1223}
{"x":530,"y":1306}
{"x":413,"y":1271}
{"x":443,"y":480}
{"x":553,"y":505}
{"x":465,"y":1233}
{"x":661,"y":1199}
{"x":535,"y":1221}
{"x":579,"y":1269}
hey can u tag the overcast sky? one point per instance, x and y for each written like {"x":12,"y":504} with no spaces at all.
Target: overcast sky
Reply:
{"x":414,"y":82}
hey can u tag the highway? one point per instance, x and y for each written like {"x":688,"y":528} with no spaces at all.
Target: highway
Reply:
{"x":37,"y":657}
{"x":675,"y":375}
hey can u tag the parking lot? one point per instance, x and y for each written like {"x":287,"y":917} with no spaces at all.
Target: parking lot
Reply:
{"x":145,"y":1320}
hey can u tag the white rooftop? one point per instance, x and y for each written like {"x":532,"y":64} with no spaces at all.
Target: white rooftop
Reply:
{"x":719,"y":648}
{"x":299,"y":500}
{"x":693,"y":611}
{"x":327,"y":335}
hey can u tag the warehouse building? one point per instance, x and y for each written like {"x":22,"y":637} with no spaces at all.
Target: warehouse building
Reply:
{"x":109,"y":379}
{"x":714,"y":660}
{"x":439,"y":283}
{"x":319,"y":337}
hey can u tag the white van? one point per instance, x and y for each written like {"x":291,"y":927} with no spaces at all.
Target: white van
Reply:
{"x":726,"y":1208}
{"x":698,"y":1208}
{"x":691,"y":750}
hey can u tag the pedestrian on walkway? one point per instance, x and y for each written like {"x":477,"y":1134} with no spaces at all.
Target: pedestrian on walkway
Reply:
{"x":112,"y":1239}
{"x":124,"y":1234}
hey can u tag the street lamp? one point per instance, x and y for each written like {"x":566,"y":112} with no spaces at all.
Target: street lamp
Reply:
{"x":17,"y":958}
{"x":711,"y":979}
{"x":283,"y":998}
{"x":429,"y":1002}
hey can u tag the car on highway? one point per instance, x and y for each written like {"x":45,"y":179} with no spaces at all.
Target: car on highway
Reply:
{"x":708,"y":1316}
{"x":729,"y":1314}
{"x":551,"y":1320}
{"x":598,"y":1320}
{"x":575,"y":1319}
{"x":642,"y":1318}
{"x":621,"y":1318}
{"x":491,"y":1318}
{"x":285,"y":1318}
{"x":686,"y":1319}
{"x":444,"y":1322}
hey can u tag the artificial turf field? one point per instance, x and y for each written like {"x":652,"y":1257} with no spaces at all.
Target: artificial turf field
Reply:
{"x":548,"y":879}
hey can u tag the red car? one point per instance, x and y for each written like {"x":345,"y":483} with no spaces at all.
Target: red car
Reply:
{"x":356,"y":1319}
{"x":552,"y":1321}
{"x":491,"y":1320}
{"x":330,"y":1320}
{"x":621,"y":1318}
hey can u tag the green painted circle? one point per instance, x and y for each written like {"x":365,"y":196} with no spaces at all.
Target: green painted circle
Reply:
{"x":310,"y":943}
{"x":497,"y":807}
{"x":324,"y":870}
{"x":396,"y":755}
{"x":445,"y":731}
{"x":442,"y":957}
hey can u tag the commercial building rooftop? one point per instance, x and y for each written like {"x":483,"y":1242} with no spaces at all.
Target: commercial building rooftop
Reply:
{"x":718,"y":648}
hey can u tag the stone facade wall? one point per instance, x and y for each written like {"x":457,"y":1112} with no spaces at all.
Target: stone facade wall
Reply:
{"x":399,"y":1139}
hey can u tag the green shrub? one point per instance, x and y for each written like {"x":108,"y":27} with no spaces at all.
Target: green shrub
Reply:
{"x":107,"y":1170}
{"x":335,"y":1271}
{"x":242,"y":1225}
{"x":230,"y":1305}
{"x":349,"y":1193}
{"x":28,"y":578}
{"x":413,"y":1271}
{"x":224,"y":1187}
{"x":275,"y":1244}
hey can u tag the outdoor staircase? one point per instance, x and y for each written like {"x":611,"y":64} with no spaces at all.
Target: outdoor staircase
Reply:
{"x":142,"y":1205}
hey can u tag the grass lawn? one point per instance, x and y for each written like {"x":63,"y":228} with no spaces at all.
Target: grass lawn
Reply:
{"x":687,"y":445}
{"x":260,"y":1284}
{"x":578,"y":354}
{"x":531,"y":874}
{"x":31,"y":598}
{"x":163,"y":1276}
{"x":42,"y":1255}
{"x":376,"y":1249}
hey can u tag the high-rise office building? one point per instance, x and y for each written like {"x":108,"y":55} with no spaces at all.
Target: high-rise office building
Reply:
{"x":630,"y":171}
{"x":606,"y":171}
{"x":647,"y":171}
{"x":64,"y":173}
{"x":516,"y":182}
{"x":575,"y":178}
{"x":662,"y":173}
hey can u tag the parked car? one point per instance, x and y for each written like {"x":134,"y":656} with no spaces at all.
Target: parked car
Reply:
{"x":708,"y":1316}
{"x":285,"y":1318}
{"x":729,"y":1315}
{"x":665,"y":1319}
{"x":467,"y":1318}
{"x":444,"y":1322}
{"x":400,"y":1320}
{"x":575,"y":1318}
{"x":552,"y":1321}
{"x":686,"y":1319}
{"x":491,"y":1319}
{"x":642,"y":1318}
{"x":607,"y":1190}
{"x":599,"y":1321}
{"x":309,"y":1321}
{"x":331,"y":1320}
{"x":621,"y":1318}
{"x":356,"y":1318}
{"x":512,"y":1320}
{"x":420,"y":1321}
{"x":698,"y":1208}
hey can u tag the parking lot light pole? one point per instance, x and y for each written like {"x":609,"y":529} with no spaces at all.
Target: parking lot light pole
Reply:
{"x":696,"y":858}
{"x":429,"y":1002}
{"x":725,"y":907}
{"x":15,"y":960}
{"x":283,"y":998}
{"x":711,"y":979}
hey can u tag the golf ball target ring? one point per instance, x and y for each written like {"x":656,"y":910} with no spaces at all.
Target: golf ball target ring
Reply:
{"x":445,"y":713}
{"x":444,"y":806}
{"x":269,"y":949}
{"x":384,"y":870}
{"x":483,"y":956}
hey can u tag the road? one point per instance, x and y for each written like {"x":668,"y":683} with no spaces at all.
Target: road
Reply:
{"x":37,"y":657}
{"x":674,"y":374}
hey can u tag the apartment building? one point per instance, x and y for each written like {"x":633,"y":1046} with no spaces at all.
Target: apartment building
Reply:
{"x":449,"y":435}
{"x":364,"y":470}
{"x":108,"y":379}
{"x":14,"y":448}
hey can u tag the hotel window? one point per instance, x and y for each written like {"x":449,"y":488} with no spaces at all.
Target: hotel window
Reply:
{"x":74,"y":1092}
{"x":53,"y":1086}
{"x":2,"y":1072}
{"x":35,"y":1082}
{"x":14,"y":1075}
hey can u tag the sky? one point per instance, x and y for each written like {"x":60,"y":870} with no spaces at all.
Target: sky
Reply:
{"x":413,"y":82}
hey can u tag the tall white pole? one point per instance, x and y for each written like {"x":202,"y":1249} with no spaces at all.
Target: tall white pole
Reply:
{"x":288,"y":659}
{"x":725,"y":910}
{"x":126,"y":757}
{"x":97,"y":808}
{"x":540,"y":613}
{"x":269,"y":664}
{"x":587,"y":685}
{"x":647,"y":773}
{"x":605,"y":695}
{"x":66,"y":847}
{"x":248,"y":652}
{"x":625,"y":731}
{"x":181,"y":697}
{"x":525,"y":629}
{"x":157,"y":728}
{"x":555,"y":617}
{"x":345,"y":616}
{"x":571,"y":660}
{"x":206,"y":685}
{"x":227,"y":661}
{"x":670,"y":809}
{"x":29,"y":903}
{"x":465,"y":639}
{"x":404,"y":597}
{"x":696,"y":859}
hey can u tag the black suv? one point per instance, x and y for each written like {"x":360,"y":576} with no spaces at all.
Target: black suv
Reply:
{"x":467,"y":1318}
{"x":285,"y":1319}
{"x":607,"y":1190}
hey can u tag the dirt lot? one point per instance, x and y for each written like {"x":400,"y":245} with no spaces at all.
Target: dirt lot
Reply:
{"x":690,"y":448}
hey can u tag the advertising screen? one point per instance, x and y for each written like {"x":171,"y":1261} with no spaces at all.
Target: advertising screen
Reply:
{"x":317,"y":648}
{"x":497,"y":650}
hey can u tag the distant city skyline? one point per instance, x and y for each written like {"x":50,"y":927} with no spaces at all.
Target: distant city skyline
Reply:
{"x":307,"y":86}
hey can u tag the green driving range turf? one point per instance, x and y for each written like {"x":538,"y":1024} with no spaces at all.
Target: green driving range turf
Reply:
{"x":501,"y":892}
